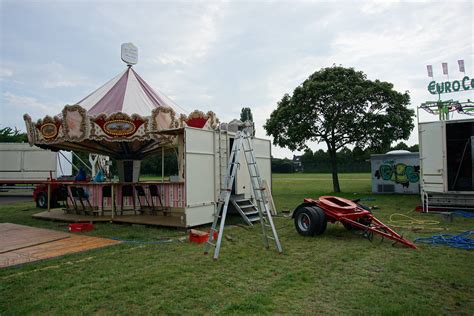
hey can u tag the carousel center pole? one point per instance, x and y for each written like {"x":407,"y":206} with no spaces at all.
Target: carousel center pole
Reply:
{"x":162,"y":164}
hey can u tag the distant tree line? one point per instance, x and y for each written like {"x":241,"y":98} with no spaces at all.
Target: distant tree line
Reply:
{"x":349,"y":161}
{"x":9,"y":135}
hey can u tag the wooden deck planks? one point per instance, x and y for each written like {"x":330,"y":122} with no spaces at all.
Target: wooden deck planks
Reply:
{"x":13,"y":236}
{"x":58,"y":247}
{"x":59,"y":215}
{"x":173,"y":221}
{"x":155,"y":220}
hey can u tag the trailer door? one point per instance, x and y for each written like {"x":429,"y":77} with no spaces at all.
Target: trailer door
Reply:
{"x":432,"y":138}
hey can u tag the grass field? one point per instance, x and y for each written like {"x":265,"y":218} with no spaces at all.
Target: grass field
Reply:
{"x":336,"y":273}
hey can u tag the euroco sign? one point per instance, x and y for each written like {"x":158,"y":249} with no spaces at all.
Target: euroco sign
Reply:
{"x":464,"y":84}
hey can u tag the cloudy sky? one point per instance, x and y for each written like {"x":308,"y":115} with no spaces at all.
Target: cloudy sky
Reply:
{"x":221,"y":56}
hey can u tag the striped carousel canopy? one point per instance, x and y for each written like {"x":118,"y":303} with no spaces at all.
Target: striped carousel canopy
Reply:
{"x":124,"y":119}
{"x":127,"y":93}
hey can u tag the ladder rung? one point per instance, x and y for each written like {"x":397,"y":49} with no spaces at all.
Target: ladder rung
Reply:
{"x":210,"y":243}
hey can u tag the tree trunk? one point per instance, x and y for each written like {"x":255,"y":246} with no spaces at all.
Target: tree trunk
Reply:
{"x":335,"y":178}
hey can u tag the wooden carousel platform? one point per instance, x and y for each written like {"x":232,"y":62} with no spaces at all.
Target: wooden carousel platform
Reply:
{"x":169,"y":220}
{"x":21,"y":244}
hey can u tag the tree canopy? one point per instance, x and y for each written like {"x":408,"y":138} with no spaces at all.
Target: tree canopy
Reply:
{"x":246,"y":115}
{"x":339,"y":106}
{"x":9,"y":135}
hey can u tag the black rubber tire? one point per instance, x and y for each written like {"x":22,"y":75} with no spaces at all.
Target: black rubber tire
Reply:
{"x":42,"y":200}
{"x":310,"y":221}
{"x":322,"y":222}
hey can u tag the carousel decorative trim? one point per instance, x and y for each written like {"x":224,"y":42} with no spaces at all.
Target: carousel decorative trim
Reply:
{"x":169,"y":112}
{"x":74,"y":126}
{"x":200,"y":120}
{"x":119,"y":124}
{"x":48,"y":127}
{"x":30,"y":131}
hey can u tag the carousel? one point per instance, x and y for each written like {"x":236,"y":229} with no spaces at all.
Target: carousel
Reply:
{"x":127,"y":120}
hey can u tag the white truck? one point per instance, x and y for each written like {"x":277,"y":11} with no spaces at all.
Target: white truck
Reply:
{"x":22,"y":163}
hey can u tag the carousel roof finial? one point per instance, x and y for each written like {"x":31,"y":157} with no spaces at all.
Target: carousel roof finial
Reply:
{"x":129,"y":54}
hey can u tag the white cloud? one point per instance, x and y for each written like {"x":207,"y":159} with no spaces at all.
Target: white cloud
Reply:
{"x":377,"y":6}
{"x":5,"y":72}
{"x":14,"y":101}
{"x":56,"y":76}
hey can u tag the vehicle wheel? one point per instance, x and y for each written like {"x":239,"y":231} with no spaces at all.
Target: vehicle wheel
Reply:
{"x":323,"y":222}
{"x":42,"y":200}
{"x":310,"y":221}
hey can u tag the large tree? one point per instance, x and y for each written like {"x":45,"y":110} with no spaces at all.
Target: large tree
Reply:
{"x":339,"y":106}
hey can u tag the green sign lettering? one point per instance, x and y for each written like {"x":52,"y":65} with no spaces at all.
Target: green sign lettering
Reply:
{"x":464,"y":85}
{"x":432,"y":87}
{"x":456,"y":85}
{"x":451,"y":86}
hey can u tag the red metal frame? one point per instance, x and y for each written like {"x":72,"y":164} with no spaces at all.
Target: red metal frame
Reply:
{"x":346,"y":211}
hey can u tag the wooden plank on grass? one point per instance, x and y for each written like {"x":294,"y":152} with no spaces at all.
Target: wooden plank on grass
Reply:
{"x":13,"y":236}
{"x":74,"y":244}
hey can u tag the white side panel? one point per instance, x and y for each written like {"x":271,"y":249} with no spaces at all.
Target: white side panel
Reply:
{"x":10,"y":160}
{"x":21,"y":161}
{"x":199,"y":215}
{"x":199,"y":167}
{"x":39,"y":161}
{"x":262,"y":148}
{"x":432,"y":138}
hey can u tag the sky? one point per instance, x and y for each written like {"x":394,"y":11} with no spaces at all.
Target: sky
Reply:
{"x":222,"y":56}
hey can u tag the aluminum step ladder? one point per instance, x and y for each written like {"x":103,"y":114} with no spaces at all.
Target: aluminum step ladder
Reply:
{"x":242,"y":143}
{"x":222,"y":153}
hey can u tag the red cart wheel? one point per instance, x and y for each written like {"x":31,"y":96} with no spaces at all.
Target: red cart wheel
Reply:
{"x":310,"y":220}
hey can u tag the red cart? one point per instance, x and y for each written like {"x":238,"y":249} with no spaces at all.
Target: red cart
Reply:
{"x":311,"y":218}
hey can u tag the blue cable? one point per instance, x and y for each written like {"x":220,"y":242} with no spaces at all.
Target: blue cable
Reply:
{"x":463,"y":213}
{"x":165,"y":241}
{"x":461,"y":241}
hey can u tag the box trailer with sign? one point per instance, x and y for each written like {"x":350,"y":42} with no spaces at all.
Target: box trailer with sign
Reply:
{"x":447,"y":157}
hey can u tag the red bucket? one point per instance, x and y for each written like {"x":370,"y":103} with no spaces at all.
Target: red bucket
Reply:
{"x":199,"y":236}
{"x":80,"y":227}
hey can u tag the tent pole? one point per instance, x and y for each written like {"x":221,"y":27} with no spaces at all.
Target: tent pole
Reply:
{"x":162,"y":164}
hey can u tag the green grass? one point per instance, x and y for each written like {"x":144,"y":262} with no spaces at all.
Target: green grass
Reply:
{"x":336,"y":273}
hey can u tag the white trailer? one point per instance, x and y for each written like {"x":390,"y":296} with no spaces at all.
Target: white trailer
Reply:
{"x":447,"y":158}
{"x":206,"y":154}
{"x":20,"y":161}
